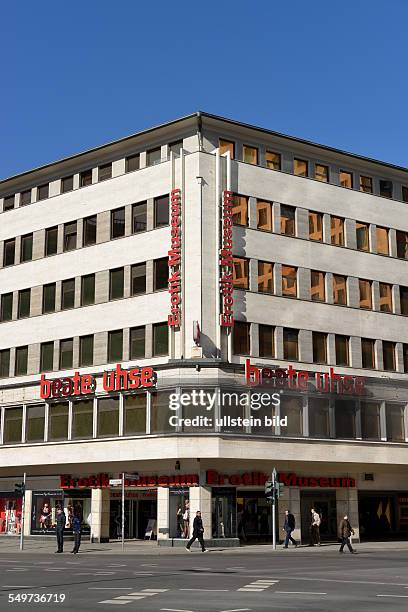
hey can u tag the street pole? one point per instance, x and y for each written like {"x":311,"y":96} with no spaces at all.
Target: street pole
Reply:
{"x":22,"y":514}
{"x":274,"y":508}
{"x":123,"y":510}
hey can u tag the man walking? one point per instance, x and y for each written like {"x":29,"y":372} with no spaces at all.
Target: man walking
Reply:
{"x":288,"y":527}
{"x":61,"y":520}
{"x":315,"y":528}
{"x":345,"y":532}
{"x":76,"y":528}
{"x":198,"y":531}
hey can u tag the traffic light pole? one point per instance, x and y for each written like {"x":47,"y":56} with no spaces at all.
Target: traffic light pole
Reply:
{"x":22,"y":514}
{"x":274,"y":508}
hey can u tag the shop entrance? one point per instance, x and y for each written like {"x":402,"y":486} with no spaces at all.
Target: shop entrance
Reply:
{"x":325,"y":504}
{"x":223,"y":506}
{"x":254,"y":517}
{"x":383,"y":515}
{"x":138,"y":513}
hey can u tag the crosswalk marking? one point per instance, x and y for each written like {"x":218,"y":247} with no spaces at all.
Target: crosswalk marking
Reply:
{"x":258,"y":585}
{"x":133,"y":596}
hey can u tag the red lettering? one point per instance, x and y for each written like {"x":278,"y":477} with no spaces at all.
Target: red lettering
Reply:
{"x":45,"y":387}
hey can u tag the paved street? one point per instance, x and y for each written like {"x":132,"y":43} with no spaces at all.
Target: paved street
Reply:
{"x":168,"y":580}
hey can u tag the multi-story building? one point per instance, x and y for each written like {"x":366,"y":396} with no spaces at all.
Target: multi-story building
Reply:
{"x":187,"y":251}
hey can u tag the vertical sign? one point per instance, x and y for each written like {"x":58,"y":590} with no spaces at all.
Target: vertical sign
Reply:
{"x":174,"y":262}
{"x":226,"y":261}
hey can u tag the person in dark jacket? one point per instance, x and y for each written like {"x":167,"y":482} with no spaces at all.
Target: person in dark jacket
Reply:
{"x":61,"y":520}
{"x":198,"y":531}
{"x":76,"y":528}
{"x":288,"y":527}
{"x":345,"y":532}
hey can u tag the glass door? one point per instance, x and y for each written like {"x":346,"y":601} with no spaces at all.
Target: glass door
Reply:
{"x":224,"y":513}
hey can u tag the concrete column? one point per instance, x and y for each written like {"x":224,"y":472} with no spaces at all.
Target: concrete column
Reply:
{"x":302,"y":223}
{"x":355,"y":352}
{"x":305,"y":346}
{"x":399,"y":357}
{"x":372,"y":238}
{"x":150,"y":214}
{"x":75,"y":352}
{"x":304,"y":283}
{"x":14,"y":313}
{"x":128,"y":220}
{"x":126,"y":343}
{"x":103,"y":227}
{"x":350,"y":233}
{"x":326,"y":229}
{"x":94,"y":175}
{"x":33,"y":358}
{"x":279,"y":342}
{"x":149,"y":341}
{"x":55,"y":359}
{"x":17,"y":250}
{"x":143,"y":159}
{"x":331,"y":349}
{"x":38,"y":244}
{"x":164,"y":152}
{"x":353,"y":292}
{"x":100,"y":347}
{"x":80,"y":233}
{"x":392,"y":241}
{"x":376,"y":296}
{"x":378,"y":351}
{"x":100,"y":513}
{"x":277,"y":279}
{"x":253,"y":275}
{"x":163,"y":513}
{"x":101,"y":286}
{"x":77,"y":292}
{"x":254,"y":339}
{"x":36,"y":301}
{"x":118,"y":167}
{"x":396,"y":301}
{"x":200,"y":499}
{"x":149,"y":276}
{"x":60,"y":238}
{"x":347,"y":503}
{"x":126,"y":282}
{"x":76,"y":181}
{"x":58,"y":291}
{"x":55,"y":188}
{"x":329,"y":287}
{"x":276,"y":217}
{"x":252,"y":212}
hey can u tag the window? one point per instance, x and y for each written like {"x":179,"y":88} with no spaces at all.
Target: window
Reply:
{"x":287,"y":220}
{"x":346,"y":179}
{"x":104,"y":172}
{"x":339,"y":290}
{"x":290,"y":343}
{"x":154,"y":156}
{"x":86,"y":347}
{"x":161,"y":211}
{"x":240,"y":210}
{"x":370,"y":421}
{"x":67,"y":184}
{"x":9,"y":252}
{"x":289,"y":281}
{"x":161,"y":274}
{"x":319,"y":420}
{"x":389,"y":355}
{"x":322,"y":173}
{"x":317,"y":286}
{"x":241,"y":339}
{"x":35,"y":423}
{"x":365,"y":294}
{"x":42,"y":192}
{"x":25,"y":197}
{"x":366,"y":184}
{"x":138,"y":279}
{"x":118,"y":223}
{"x":265,"y":277}
{"x":264,"y":215}
{"x":240,"y":273}
{"x":160,"y":339}
{"x":319,"y":347}
{"x":21,"y":361}
{"x":342,"y":350}
{"x":133,"y":162}
{"x":85,"y":178}
{"x":316,"y":226}
{"x":382,"y":240}
{"x":7,"y":307}
{"x":367,"y":353}
{"x":300,"y":167}
{"x":345,"y":418}
{"x":115,"y":345}
{"x":89,"y":236}
{"x":58,"y":421}
{"x":404,"y":300}
{"x":82,"y":419}
{"x":88,"y":290}
{"x":116,"y":283}
{"x":386,"y":189}
{"x":292,"y":409}
{"x":26,"y":247}
{"x":108,"y":416}
{"x":394,"y":414}
{"x":5,"y":363}
{"x":266,"y":341}
{"x":273,"y":160}
{"x":66,"y":354}
{"x":385,"y":297}
{"x":134,"y":414}
{"x":48,"y":304}
{"x":362,"y":235}
{"x":24,"y":300}
{"x":404,"y":193}
{"x":70,"y":236}
{"x":159,"y":421}
{"x":175,"y":147}
{"x":225,"y":146}
{"x":67,"y":294}
{"x":137,"y":343}
{"x":139,"y":217}
{"x":13,"y":425}
{"x":46,"y":356}
{"x":402,"y":245}
{"x":337,"y":231}
{"x":51,"y":240}
{"x":250,"y":155}
{"x":8,"y":203}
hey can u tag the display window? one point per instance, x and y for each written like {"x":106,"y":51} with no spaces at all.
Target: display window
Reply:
{"x":179,"y":513}
{"x":46,"y":503}
{"x":10,"y":514}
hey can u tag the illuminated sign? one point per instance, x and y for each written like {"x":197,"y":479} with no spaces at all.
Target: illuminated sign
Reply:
{"x":175,"y":259}
{"x":251,"y":479}
{"x":226,"y":262}
{"x":101,"y":481}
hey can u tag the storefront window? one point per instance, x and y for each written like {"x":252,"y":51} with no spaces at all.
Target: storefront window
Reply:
{"x":345,"y":418}
{"x":319,"y":422}
{"x":179,"y":513}
{"x":291,"y":407}
{"x":254,"y":517}
{"x":108,"y":416}
{"x":160,"y":413}
{"x":10,"y":514}
{"x":82,"y":419}
{"x":135,"y":413}
{"x":44,"y":510}
{"x":395,"y":422}
{"x":13,"y":425}
{"x":58,"y":421}
{"x":35,"y":423}
{"x":370,"y":421}
{"x":224,"y":512}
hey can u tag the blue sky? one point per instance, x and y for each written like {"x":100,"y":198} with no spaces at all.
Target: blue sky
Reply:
{"x":77,"y":74}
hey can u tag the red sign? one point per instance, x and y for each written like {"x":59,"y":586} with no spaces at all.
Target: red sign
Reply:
{"x":253,"y":479}
{"x":226,"y":262}
{"x":289,"y":378}
{"x":101,"y":481}
{"x":84,"y":384}
{"x":175,"y":259}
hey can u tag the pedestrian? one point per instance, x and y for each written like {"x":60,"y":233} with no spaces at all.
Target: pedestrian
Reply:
{"x":61,"y":520}
{"x":288,"y":527}
{"x":179,"y":519}
{"x":345,"y":531}
{"x":76,"y":528}
{"x":315,"y":528}
{"x":198,"y":531}
{"x":186,"y":519}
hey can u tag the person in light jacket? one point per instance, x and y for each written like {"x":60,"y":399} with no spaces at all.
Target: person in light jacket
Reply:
{"x":345,"y":532}
{"x":315,"y":528}
{"x":198,"y":531}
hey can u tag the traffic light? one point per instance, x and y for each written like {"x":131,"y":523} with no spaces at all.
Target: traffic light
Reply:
{"x":269,"y":490}
{"x":19,"y":488}
{"x":279,"y":489}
